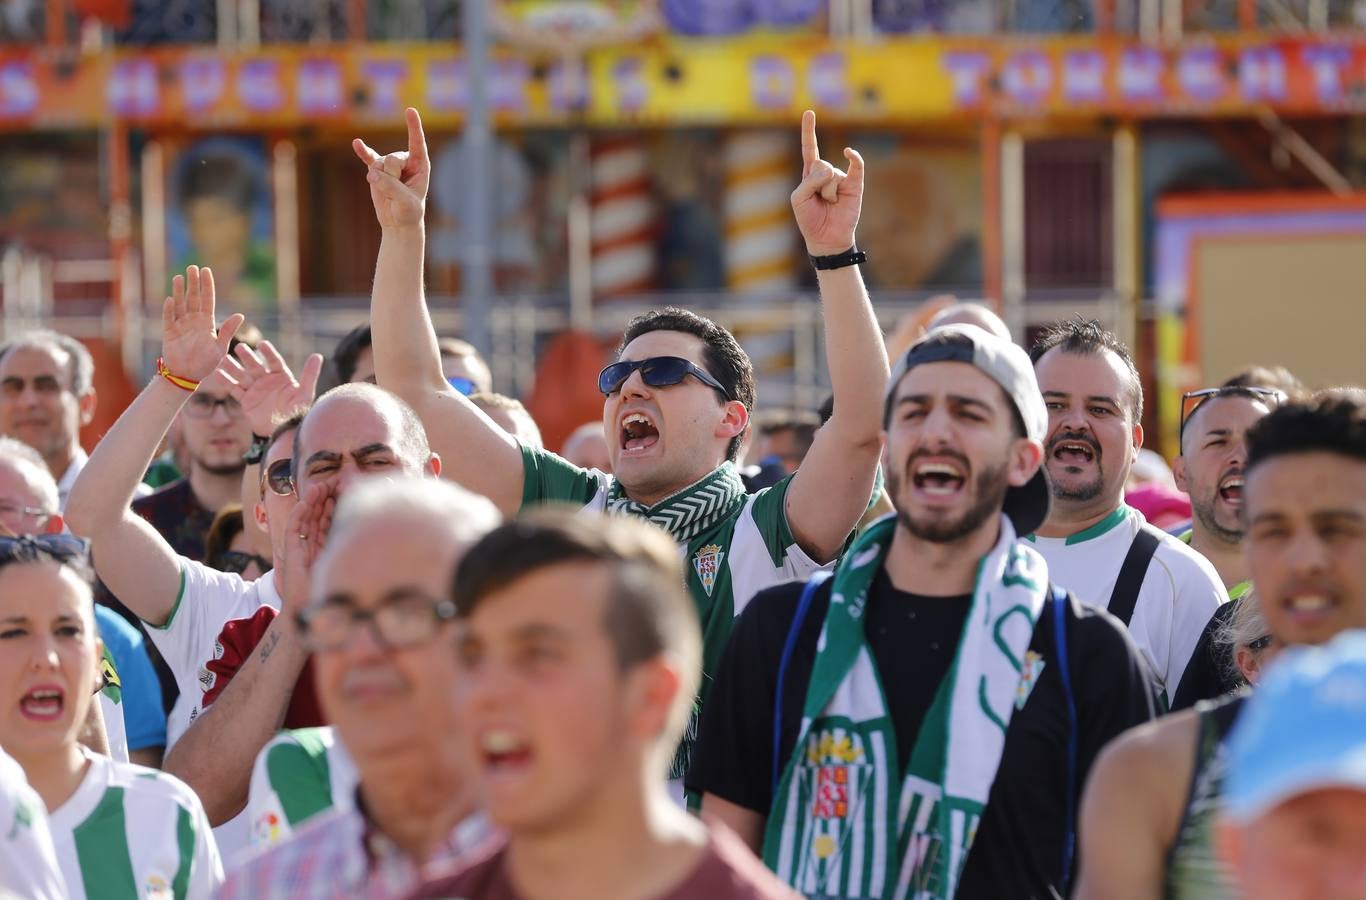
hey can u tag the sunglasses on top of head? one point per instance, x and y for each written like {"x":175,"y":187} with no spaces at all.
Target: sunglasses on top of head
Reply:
{"x":656,"y":371}
{"x":1193,"y":400}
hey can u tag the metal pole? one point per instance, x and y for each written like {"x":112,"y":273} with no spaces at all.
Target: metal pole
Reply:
{"x":477,"y":224}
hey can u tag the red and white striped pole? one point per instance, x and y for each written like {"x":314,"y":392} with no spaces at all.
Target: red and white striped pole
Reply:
{"x":623,"y":217}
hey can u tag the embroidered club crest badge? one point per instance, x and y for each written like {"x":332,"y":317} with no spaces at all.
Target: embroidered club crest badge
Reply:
{"x":707,"y":562}
{"x":1029,"y":676}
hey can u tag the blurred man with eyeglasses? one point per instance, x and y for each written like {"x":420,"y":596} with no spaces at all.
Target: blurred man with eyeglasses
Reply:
{"x":130,"y":700}
{"x":1211,"y":470}
{"x":380,"y":625}
{"x":676,"y":405}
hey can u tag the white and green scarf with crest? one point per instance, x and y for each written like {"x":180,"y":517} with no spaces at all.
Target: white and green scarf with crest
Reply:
{"x":846,"y":821}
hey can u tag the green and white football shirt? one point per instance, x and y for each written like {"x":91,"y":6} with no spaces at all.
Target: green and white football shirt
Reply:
{"x":298,"y":775}
{"x":28,"y":864}
{"x":130,"y":832}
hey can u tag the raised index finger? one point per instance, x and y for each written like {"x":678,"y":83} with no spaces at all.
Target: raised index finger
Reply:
{"x":417,"y":140}
{"x":810,"y":152}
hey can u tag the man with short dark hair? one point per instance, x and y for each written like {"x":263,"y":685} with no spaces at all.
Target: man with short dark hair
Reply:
{"x":579,"y":658}
{"x":1304,"y":506}
{"x":354,"y":357}
{"x":921,"y":723}
{"x":676,"y":404}
{"x":1095,"y":544}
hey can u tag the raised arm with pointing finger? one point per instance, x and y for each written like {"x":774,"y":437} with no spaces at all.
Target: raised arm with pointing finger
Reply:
{"x":474,"y":451}
{"x":676,"y":404}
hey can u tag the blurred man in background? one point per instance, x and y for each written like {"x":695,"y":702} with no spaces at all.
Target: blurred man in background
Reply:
{"x":47,"y":395}
{"x":586,"y":447}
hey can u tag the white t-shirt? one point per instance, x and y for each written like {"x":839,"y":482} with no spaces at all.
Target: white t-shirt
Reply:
{"x":208,"y":600}
{"x":129,"y":831}
{"x":28,"y":863}
{"x":1180,"y":591}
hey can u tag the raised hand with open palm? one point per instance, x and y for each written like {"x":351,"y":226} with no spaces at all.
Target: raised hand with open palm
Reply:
{"x":191,"y":346}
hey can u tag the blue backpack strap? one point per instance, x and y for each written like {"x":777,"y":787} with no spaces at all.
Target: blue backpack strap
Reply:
{"x":813,"y":584}
{"x":1060,"y":651}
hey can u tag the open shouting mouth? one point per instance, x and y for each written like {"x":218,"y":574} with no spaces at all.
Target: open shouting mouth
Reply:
{"x":638,"y":432}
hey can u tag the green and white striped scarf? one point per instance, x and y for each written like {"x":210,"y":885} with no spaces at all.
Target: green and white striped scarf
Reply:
{"x":845,"y":822}
{"x":690,"y":512}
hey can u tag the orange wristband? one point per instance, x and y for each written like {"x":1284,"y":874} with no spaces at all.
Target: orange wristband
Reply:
{"x":184,"y":384}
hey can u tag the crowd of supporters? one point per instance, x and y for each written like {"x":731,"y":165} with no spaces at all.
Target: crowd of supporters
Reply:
{"x":955,"y":634}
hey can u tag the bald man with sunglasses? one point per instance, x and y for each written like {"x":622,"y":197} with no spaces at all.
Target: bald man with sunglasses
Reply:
{"x":676,"y":405}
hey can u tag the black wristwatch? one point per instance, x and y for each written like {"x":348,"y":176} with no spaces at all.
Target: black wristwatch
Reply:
{"x":256,"y":450}
{"x":851,"y":257}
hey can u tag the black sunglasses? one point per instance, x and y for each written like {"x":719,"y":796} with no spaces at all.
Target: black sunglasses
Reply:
{"x":236,"y":562}
{"x":279,"y":477}
{"x":657,"y":371}
{"x":62,"y":548}
{"x":1193,"y":400}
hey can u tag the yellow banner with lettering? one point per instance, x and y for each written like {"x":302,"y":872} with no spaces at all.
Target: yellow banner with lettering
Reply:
{"x":676,"y":82}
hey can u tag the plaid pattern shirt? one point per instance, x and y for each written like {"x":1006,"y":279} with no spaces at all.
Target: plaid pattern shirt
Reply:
{"x":340,"y":854}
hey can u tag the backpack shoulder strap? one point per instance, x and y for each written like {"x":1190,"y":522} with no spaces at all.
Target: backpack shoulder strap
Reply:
{"x":1060,"y":650}
{"x":813,"y":584}
{"x":1125,"y":595}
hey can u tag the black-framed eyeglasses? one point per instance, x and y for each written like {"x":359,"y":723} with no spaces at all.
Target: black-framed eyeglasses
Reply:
{"x":62,"y":548}
{"x":237,"y":561}
{"x":656,"y":371}
{"x":404,"y":619}
{"x":461,"y":384}
{"x":279,"y":477}
{"x":1260,"y":643}
{"x":1193,"y":400}
{"x":202,"y":406}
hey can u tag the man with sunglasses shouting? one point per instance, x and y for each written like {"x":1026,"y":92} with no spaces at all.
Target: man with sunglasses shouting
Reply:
{"x":676,"y":405}
{"x":1211,"y":469}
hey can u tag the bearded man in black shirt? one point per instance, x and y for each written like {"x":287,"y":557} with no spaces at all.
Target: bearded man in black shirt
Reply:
{"x":928,"y":730}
